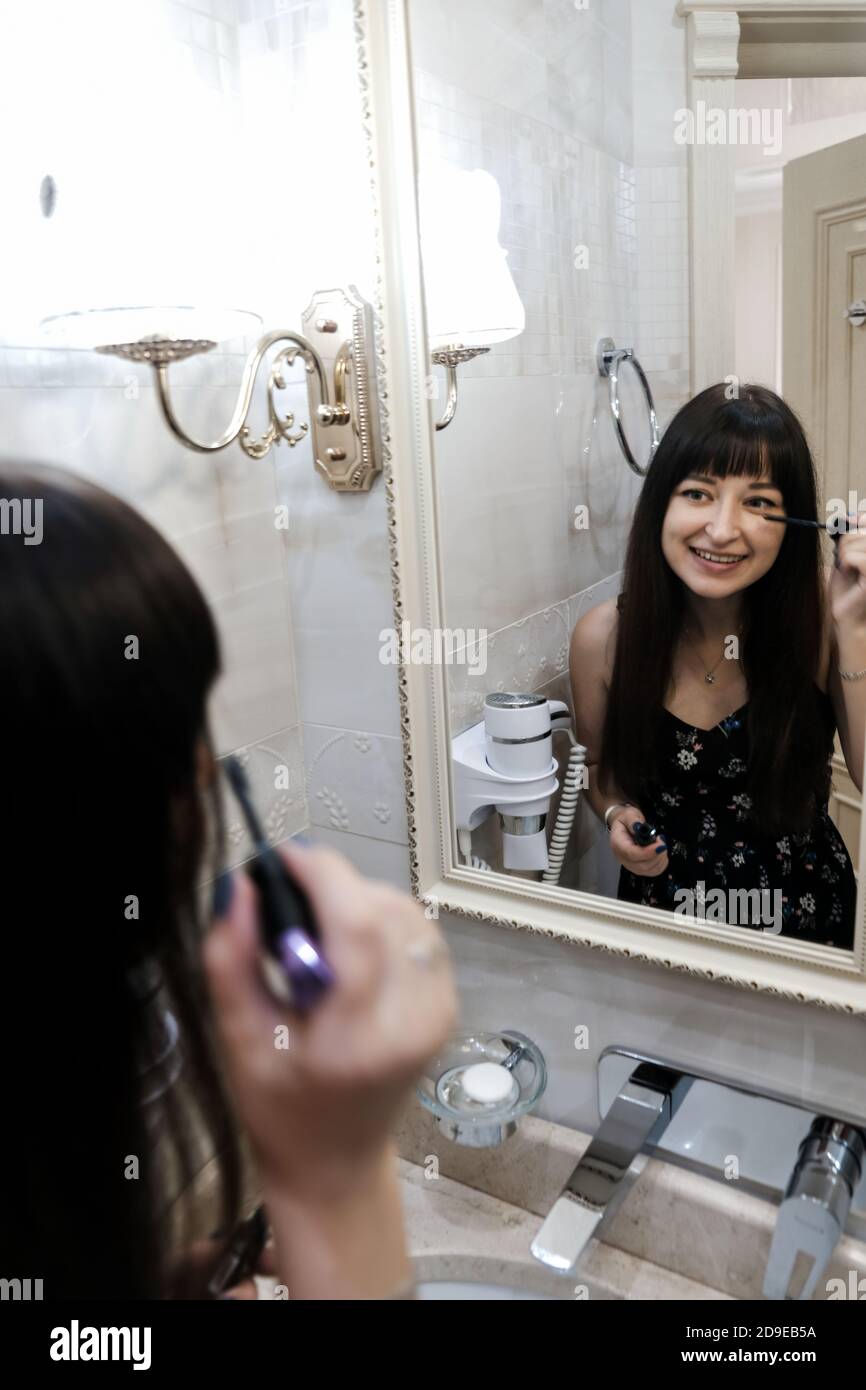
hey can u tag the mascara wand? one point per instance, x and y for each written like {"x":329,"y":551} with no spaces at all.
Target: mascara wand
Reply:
{"x":834,"y":529}
{"x":288,"y":922}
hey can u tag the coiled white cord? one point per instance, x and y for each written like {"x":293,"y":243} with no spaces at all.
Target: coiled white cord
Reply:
{"x":473,"y":862}
{"x":566,"y":811}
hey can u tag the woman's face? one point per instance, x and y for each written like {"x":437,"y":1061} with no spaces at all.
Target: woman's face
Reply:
{"x":714,"y":537}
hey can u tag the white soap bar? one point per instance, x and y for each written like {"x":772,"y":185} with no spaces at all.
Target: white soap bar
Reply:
{"x":487,"y":1082}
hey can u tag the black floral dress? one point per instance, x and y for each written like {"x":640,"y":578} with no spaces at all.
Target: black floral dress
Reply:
{"x":806,"y":882}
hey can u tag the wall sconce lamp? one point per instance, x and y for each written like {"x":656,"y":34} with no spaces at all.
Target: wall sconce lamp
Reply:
{"x":472,"y":300}
{"x":337,"y":348}
{"x":450,"y":358}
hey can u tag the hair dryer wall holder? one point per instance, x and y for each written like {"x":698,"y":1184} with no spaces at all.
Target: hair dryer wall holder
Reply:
{"x":480,"y":791}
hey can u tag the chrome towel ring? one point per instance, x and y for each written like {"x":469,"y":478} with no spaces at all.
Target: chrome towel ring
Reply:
{"x":608,"y":356}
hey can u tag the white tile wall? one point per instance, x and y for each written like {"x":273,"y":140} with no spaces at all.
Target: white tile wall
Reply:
{"x":547,"y":989}
{"x":579,"y":136}
{"x":526,"y":655}
{"x":659,"y":83}
{"x":296,"y":610}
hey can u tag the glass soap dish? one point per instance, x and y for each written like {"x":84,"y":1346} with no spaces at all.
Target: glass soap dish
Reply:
{"x":480,"y":1084}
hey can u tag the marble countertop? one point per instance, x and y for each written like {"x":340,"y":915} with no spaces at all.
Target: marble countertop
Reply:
{"x":458,"y":1233}
{"x":472,"y":1214}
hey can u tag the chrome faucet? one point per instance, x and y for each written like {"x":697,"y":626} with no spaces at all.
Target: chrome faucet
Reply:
{"x":815,"y":1208}
{"x":638,"y":1098}
{"x":638,"y":1117}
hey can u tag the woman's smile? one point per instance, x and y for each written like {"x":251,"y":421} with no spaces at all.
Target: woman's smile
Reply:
{"x":713,"y":530}
{"x":715,"y":561}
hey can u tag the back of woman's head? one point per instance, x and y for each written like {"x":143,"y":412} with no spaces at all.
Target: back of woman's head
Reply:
{"x":108,"y":653}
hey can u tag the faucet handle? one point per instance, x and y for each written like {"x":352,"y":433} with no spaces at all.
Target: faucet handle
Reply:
{"x":614,"y":1159}
{"x":815,"y":1206}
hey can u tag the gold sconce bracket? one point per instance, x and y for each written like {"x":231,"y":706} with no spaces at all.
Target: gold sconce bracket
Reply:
{"x":338,"y":352}
{"x":450,"y":358}
{"x":346,"y":444}
{"x":159,"y":352}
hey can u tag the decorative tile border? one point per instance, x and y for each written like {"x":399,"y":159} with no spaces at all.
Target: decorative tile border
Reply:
{"x":526,"y":655}
{"x":354,"y":782}
{"x":275,"y":768}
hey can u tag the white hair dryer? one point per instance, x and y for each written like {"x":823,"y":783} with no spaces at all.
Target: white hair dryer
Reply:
{"x":505,"y":764}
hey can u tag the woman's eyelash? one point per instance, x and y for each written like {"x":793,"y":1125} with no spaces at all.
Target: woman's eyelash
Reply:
{"x":696,"y":491}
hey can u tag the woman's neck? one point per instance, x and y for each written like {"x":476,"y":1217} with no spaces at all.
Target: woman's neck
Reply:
{"x":713,"y":619}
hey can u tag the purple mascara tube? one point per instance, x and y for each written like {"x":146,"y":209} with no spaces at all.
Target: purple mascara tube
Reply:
{"x":287,"y":919}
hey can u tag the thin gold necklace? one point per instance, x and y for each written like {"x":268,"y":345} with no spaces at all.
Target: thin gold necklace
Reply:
{"x":709,"y":677}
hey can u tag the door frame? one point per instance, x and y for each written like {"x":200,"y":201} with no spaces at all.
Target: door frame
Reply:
{"x":713,"y":31}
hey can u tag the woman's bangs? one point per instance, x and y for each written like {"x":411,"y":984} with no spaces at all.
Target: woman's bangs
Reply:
{"x":725,"y":454}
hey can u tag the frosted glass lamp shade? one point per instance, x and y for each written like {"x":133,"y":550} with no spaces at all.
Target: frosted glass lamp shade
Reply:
{"x":93,"y":328}
{"x":471,"y":297}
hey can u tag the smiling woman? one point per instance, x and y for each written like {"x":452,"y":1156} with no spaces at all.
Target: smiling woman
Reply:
{"x":731,"y":495}
{"x":718,"y":730}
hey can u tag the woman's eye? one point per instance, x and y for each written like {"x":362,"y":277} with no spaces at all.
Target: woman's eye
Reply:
{"x":755,"y":503}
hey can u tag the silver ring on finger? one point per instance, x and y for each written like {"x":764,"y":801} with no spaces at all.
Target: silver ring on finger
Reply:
{"x":427,"y":951}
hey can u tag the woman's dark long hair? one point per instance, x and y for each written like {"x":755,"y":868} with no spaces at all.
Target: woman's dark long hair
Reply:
{"x":108,"y":654}
{"x":783,"y":611}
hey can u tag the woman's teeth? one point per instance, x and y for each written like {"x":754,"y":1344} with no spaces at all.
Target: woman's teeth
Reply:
{"x":710,"y":557}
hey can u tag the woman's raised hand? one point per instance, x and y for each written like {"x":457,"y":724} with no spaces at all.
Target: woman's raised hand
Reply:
{"x":319,"y":1094}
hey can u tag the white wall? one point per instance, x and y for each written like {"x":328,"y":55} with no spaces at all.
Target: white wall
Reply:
{"x":514,"y":90}
{"x":758,"y":353}
{"x":547,"y":989}
{"x":189,"y":165}
{"x":572,"y":111}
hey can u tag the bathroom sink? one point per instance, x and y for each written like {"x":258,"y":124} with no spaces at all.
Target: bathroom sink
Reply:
{"x":454,"y":1289}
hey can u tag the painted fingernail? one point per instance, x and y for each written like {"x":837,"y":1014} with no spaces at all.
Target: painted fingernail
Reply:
{"x":223,"y":891}
{"x":303,"y":840}
{"x":661,"y":849}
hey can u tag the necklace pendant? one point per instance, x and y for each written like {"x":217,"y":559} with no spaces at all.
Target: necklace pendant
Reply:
{"x":710,"y":678}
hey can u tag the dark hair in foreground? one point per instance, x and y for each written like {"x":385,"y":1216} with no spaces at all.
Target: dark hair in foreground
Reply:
{"x":100,"y":805}
{"x":783,"y":611}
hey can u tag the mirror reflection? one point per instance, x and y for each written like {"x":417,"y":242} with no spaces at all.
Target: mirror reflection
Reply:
{"x":656,"y":594}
